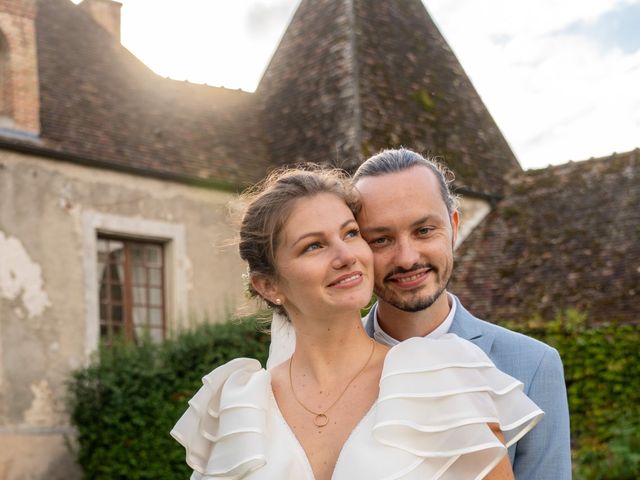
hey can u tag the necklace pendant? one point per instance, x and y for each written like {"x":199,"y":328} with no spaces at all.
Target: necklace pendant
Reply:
{"x":320,"y":420}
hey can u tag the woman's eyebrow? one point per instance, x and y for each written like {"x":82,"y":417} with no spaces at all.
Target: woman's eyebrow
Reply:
{"x":317,"y":234}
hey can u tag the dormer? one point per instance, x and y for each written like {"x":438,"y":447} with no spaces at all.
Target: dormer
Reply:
{"x":19,"y":90}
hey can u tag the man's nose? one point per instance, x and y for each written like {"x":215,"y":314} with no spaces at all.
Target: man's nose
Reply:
{"x":344,"y":256}
{"x":406,"y":256}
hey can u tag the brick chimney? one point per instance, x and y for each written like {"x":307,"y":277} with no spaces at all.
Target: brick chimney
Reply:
{"x":19,"y":87}
{"x":106,"y":13}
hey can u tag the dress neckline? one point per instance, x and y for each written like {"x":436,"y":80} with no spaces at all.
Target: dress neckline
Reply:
{"x":300,"y":449}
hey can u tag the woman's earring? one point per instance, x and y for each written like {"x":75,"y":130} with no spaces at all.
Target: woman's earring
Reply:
{"x":278,"y":301}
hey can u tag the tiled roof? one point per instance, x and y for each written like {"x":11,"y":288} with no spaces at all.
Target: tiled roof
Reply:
{"x":308,"y":92}
{"x":565,"y":237}
{"x":350,"y":78}
{"x":100,"y":102}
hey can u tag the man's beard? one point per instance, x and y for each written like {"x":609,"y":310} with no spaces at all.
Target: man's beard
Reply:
{"x":414,"y":304}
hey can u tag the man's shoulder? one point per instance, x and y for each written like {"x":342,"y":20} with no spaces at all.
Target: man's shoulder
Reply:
{"x":521,"y":356}
{"x":506,"y":338}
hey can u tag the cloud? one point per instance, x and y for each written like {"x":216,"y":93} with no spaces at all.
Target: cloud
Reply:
{"x":616,"y":28}
{"x":263,"y":17}
{"x":557,"y":89}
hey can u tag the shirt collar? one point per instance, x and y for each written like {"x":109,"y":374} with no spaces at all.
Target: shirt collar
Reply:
{"x":386,"y":339}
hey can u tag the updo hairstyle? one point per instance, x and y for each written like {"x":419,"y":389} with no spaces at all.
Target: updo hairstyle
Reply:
{"x":269,"y":205}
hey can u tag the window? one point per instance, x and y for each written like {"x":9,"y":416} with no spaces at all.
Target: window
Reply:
{"x":131,"y":289}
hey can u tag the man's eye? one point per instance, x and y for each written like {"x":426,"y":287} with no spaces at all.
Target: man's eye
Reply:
{"x":378,"y":242}
{"x":424,"y":231}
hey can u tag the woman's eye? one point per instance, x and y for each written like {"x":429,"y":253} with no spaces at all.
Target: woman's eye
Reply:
{"x":311,"y":247}
{"x":353,"y":233}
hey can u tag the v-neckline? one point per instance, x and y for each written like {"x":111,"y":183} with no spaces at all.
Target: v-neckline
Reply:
{"x":296,"y":441}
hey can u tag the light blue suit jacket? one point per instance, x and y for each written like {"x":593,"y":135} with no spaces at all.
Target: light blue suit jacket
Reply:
{"x":545,"y":452}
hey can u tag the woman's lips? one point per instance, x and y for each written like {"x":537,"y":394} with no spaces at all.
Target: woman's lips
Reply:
{"x":348,"y":280}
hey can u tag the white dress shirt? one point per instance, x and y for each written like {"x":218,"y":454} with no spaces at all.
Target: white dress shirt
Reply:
{"x":386,"y":339}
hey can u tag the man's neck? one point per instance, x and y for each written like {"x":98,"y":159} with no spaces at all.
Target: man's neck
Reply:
{"x":403,"y":325}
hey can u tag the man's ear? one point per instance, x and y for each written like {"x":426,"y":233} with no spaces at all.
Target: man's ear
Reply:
{"x":266,"y":287}
{"x":455,"y":221}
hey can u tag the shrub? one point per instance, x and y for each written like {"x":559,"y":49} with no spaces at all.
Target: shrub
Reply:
{"x":128,"y":399}
{"x":126,"y":402}
{"x":602,"y":373}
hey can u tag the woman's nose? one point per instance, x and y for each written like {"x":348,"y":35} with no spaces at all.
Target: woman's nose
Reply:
{"x":344,"y":256}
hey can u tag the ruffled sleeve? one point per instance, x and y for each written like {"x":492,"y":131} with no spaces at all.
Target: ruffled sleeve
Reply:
{"x":223,"y":428}
{"x":436,"y":400}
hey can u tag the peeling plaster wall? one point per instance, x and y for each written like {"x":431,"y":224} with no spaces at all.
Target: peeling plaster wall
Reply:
{"x":46,"y":208}
{"x":21,"y":277}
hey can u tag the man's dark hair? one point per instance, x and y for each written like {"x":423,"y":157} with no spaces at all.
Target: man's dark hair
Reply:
{"x":397,"y":160}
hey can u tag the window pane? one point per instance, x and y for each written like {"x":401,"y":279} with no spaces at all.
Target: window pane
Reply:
{"x":115,"y":251}
{"x":155,"y":297}
{"x":154,"y":255}
{"x":117,"y":329}
{"x":102,"y":246}
{"x":101,"y":273}
{"x":155,"y":317}
{"x":139,"y":316}
{"x":137,"y":253}
{"x":142,"y":333}
{"x":117,"y":315}
{"x":103,"y":291}
{"x":104,"y":312}
{"x":139,"y":276}
{"x":116,"y":273}
{"x":139,"y":296}
{"x":116,"y":293}
{"x":156,"y":335}
{"x":155,"y":277}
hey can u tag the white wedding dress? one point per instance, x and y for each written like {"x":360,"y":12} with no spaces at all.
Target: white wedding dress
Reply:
{"x":429,"y":421}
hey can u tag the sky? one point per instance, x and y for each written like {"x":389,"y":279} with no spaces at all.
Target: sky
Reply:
{"x":561,"y":78}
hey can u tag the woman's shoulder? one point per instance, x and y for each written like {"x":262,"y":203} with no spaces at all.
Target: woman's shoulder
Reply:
{"x":449,"y":350}
{"x":437,"y":399}
{"x":228,"y":412}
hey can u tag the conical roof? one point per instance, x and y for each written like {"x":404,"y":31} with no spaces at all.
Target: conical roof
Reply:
{"x":351,"y":77}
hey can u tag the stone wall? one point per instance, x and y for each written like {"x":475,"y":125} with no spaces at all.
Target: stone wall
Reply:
{"x":50,"y":215}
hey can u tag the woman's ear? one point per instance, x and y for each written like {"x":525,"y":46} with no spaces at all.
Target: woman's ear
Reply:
{"x":266,"y":287}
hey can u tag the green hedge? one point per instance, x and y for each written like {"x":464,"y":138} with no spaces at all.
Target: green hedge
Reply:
{"x":602,"y":372}
{"x":125,"y":403}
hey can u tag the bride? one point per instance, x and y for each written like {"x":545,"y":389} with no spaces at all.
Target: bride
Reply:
{"x":343,"y":406}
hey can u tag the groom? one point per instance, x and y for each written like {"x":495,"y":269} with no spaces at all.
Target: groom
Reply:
{"x":409,"y":219}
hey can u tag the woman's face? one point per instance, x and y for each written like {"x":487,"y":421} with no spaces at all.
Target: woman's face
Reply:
{"x":322,"y":262}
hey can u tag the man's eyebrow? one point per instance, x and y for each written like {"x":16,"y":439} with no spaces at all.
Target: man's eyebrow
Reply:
{"x":317,"y":234}
{"x":375,"y":230}
{"x":426,"y":219}
{"x":417,"y":223}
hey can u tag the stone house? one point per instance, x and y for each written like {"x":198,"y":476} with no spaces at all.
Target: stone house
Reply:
{"x":115,"y":185}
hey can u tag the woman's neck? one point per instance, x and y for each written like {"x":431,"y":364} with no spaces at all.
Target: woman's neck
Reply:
{"x":325,"y":347}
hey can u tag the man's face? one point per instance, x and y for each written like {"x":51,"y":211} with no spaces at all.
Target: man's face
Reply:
{"x":405,"y":221}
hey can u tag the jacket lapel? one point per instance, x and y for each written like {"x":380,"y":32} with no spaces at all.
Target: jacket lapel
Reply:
{"x":470,"y":328}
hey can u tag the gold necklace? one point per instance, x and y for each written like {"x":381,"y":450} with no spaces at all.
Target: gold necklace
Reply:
{"x":321,"y":419}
